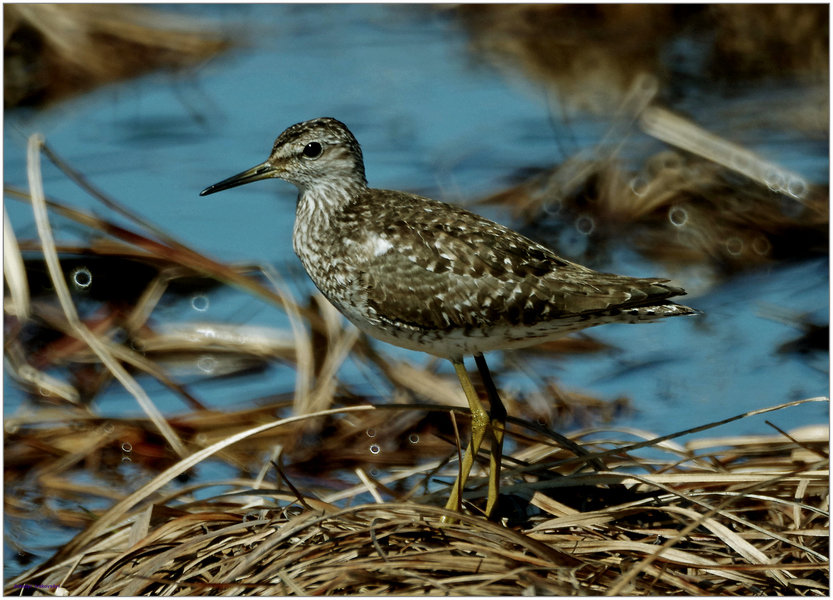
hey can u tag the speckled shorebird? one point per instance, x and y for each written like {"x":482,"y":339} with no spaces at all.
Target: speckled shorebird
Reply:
{"x":430,"y":276}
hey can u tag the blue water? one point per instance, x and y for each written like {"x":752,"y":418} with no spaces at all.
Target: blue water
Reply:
{"x":432,"y":121}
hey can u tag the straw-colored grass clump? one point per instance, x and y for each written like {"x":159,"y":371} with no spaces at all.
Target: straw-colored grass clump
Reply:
{"x":733,"y":516}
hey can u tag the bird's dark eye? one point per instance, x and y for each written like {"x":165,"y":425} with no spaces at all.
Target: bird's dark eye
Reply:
{"x":313,"y":150}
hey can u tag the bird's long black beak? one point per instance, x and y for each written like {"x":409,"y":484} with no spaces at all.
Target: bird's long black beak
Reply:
{"x":261,"y":171}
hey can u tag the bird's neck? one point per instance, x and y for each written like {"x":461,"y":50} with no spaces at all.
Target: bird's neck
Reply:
{"x":319,"y":203}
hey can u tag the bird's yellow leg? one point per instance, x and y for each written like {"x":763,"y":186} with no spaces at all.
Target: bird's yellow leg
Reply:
{"x":497,"y":414}
{"x":479,"y":425}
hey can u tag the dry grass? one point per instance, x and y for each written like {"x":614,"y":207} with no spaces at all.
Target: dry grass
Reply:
{"x":53,"y":51}
{"x":591,"y":55}
{"x":730,"y":516}
{"x":709,"y":203}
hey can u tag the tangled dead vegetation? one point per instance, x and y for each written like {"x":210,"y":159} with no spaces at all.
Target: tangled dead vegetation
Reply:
{"x":590,"y":55}
{"x":709,"y":202}
{"x":731,"y":516}
{"x":53,"y":51}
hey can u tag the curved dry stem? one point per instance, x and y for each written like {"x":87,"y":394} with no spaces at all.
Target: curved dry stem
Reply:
{"x":62,"y":291}
{"x":13,"y":270}
{"x":118,"y":511}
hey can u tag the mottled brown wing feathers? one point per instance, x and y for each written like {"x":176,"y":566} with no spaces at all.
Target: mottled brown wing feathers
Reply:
{"x":461,"y":270}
